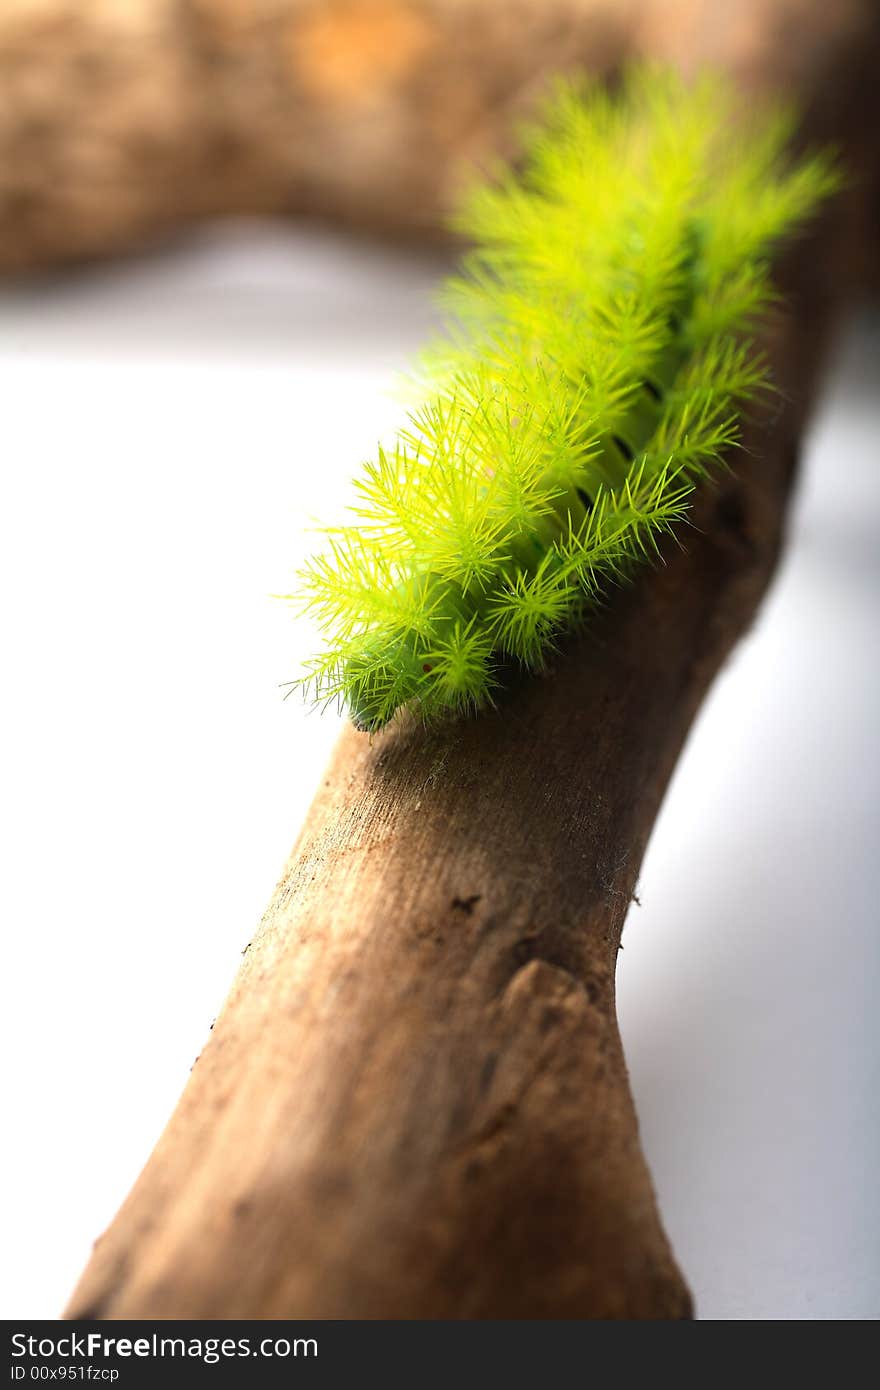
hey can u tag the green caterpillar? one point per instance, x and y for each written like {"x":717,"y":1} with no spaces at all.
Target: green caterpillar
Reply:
{"x":594,"y":367}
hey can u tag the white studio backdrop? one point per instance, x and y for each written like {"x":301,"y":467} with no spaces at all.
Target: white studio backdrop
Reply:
{"x":171,"y":429}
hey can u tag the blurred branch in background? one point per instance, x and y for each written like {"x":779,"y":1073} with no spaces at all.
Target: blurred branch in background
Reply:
{"x":124,"y":120}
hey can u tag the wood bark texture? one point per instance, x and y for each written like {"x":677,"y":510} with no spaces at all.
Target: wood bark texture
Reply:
{"x":123,"y":120}
{"x":414,"y":1103}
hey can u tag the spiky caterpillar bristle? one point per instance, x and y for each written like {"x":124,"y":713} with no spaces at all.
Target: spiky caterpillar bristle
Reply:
{"x":594,"y":369}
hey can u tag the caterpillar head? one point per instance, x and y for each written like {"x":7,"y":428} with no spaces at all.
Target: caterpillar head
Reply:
{"x":448,"y":669}
{"x":379,"y":677}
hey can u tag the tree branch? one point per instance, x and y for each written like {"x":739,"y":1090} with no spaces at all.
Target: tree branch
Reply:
{"x":121,"y":123}
{"x":415,"y":1103}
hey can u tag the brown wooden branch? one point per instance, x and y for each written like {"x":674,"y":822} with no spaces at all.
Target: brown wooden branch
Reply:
{"x":415,"y":1103}
{"x":121,"y":122}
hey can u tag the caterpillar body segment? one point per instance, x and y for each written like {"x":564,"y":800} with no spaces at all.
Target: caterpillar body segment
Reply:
{"x":595,"y":367}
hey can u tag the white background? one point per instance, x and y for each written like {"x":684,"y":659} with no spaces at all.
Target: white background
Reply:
{"x":169,"y":429}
